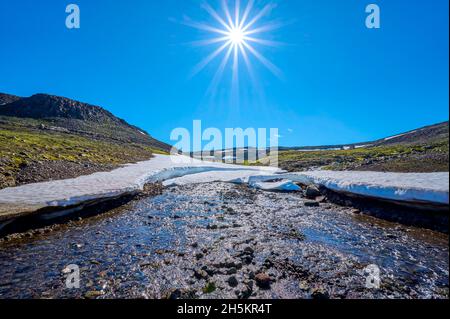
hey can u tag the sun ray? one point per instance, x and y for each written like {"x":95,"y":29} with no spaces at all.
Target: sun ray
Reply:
{"x":248,"y":64}
{"x":245,"y":57}
{"x":237,"y":13}
{"x":269,"y":65}
{"x":228,"y":14}
{"x":205,"y":27}
{"x":269,"y":43}
{"x":236,"y":57}
{"x":261,"y":14}
{"x":237,"y":29}
{"x":215,"y":15}
{"x":220,"y":71}
{"x":209,"y":41}
{"x":246,"y":13}
{"x":265,"y":28}
{"x":209,"y":58}
{"x":235,"y":75}
{"x":235,"y":63}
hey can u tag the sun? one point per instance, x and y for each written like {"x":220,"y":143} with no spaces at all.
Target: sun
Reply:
{"x":238,"y":35}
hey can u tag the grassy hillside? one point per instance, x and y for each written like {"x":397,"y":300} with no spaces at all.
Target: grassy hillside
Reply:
{"x":46,"y":137}
{"x":421,"y":150}
{"x":54,"y":113}
{"x":28,"y":155}
{"x":399,"y":158}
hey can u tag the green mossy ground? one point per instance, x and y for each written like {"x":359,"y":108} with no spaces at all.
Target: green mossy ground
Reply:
{"x":431,"y":157}
{"x":21,"y":147}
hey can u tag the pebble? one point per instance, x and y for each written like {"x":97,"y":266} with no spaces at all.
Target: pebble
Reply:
{"x":320,"y":294}
{"x":312,"y":204}
{"x":93,"y":294}
{"x":263,"y":280}
{"x":199,"y":256}
{"x":233,"y":282}
{"x":201,"y":274}
{"x":232,"y":271}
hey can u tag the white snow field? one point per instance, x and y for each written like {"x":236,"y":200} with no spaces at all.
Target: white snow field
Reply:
{"x":410,"y":187}
{"x":180,"y":170}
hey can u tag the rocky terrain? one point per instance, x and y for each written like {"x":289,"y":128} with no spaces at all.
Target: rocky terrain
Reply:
{"x":46,"y":137}
{"x":225,"y":241}
{"x":8,"y":98}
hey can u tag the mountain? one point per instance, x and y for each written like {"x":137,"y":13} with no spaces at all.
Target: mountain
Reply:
{"x":41,"y":106}
{"x":45,"y":137}
{"x":60,"y":113}
{"x":8,"y":98}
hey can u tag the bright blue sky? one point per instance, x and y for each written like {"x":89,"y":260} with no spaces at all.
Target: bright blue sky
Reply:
{"x":342,"y":82}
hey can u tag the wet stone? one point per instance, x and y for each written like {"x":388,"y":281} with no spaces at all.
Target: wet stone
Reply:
{"x":312,"y":204}
{"x":249,"y":250}
{"x":201,"y":274}
{"x":232,"y":281}
{"x":199,"y":256}
{"x":93,"y":294}
{"x":312,"y":192}
{"x":320,"y":294}
{"x":232,"y":271}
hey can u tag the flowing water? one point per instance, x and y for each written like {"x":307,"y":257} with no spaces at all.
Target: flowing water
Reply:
{"x":226,"y":241}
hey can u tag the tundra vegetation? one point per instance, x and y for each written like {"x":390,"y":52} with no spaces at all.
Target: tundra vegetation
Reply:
{"x":424,"y":150}
{"x":46,"y":137}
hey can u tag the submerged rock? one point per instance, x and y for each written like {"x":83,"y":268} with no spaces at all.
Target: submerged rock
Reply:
{"x":319,"y":294}
{"x":312,"y":204}
{"x":312,"y":192}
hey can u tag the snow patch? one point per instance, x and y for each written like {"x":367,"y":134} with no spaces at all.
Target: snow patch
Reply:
{"x":399,"y":135}
{"x":408,"y":187}
{"x":401,"y":187}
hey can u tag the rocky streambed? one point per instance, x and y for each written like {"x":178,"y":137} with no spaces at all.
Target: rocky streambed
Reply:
{"x":220,"y":240}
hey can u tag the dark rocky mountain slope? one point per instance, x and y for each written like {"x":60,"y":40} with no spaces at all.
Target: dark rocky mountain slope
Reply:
{"x":8,"y":98}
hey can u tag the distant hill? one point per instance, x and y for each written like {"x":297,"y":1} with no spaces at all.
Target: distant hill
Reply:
{"x":423,"y":135}
{"x":422,"y":150}
{"x":60,"y":113}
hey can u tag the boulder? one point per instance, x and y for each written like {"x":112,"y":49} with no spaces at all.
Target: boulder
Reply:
{"x":312,"y":192}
